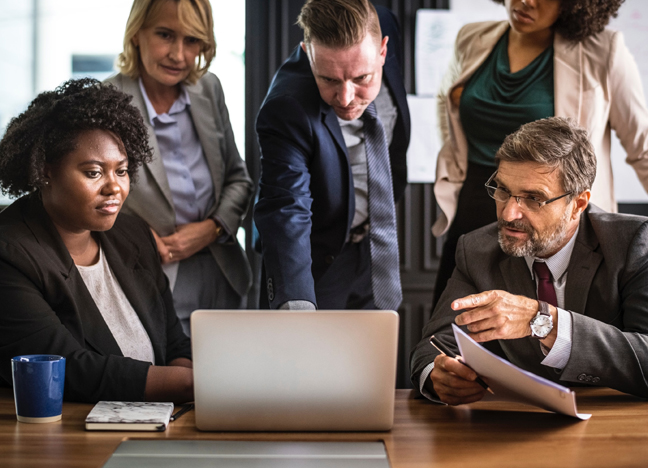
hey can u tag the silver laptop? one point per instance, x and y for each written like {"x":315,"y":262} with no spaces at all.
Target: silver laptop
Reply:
{"x":294,"y":370}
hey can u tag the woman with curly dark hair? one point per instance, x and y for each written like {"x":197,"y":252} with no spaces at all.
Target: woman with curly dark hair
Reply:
{"x":78,"y":279}
{"x":552,"y":57}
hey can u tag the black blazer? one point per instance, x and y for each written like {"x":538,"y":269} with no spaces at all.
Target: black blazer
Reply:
{"x":306,"y":199}
{"x":47,"y":309}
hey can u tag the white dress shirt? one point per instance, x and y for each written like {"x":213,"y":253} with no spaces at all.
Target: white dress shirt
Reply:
{"x":558,"y":356}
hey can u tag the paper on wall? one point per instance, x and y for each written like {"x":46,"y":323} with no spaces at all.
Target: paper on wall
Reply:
{"x":424,"y":142}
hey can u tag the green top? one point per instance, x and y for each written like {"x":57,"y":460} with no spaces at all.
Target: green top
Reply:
{"x":496,"y":102}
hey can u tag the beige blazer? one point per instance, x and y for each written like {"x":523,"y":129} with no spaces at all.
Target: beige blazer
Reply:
{"x":596,"y":83}
{"x":150,"y":198}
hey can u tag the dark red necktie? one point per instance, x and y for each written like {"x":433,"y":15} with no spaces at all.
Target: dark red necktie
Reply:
{"x":546,"y":291}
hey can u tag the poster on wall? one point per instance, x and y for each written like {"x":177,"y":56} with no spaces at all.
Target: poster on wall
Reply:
{"x":436,"y":31}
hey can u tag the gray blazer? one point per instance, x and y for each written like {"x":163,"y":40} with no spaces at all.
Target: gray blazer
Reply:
{"x":606,"y":293}
{"x":150,"y":198}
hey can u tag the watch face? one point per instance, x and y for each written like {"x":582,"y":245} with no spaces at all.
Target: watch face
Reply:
{"x":541,"y":326}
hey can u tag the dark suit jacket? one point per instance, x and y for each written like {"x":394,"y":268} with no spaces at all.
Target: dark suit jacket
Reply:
{"x":306,"y":201}
{"x":47,"y":309}
{"x":606,"y":294}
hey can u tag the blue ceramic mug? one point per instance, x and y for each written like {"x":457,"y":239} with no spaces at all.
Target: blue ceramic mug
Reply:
{"x":38,"y":387}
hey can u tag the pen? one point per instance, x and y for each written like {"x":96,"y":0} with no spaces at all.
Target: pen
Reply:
{"x":181,"y":411}
{"x":443,"y":350}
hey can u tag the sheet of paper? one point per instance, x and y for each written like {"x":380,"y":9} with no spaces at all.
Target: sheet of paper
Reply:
{"x":424,"y":141}
{"x":436,"y":31}
{"x":510,"y":383}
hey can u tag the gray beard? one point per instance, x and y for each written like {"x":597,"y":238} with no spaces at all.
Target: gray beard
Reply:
{"x":535,"y":245}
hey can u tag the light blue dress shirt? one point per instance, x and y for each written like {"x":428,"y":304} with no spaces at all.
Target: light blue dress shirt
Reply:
{"x":187,"y":171}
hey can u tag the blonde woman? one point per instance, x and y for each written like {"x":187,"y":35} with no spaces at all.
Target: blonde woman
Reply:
{"x":196,"y":190}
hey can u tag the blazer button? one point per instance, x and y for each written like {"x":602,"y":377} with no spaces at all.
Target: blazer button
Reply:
{"x":270,"y":289}
{"x":596,"y":380}
{"x":329,"y":259}
{"x":582,"y":377}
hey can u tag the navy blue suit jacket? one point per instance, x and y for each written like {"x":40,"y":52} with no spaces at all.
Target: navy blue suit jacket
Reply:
{"x":306,"y":200}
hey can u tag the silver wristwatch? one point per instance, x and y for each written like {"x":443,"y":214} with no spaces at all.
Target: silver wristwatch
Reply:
{"x":542,"y":323}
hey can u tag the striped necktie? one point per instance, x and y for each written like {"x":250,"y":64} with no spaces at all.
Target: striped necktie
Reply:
{"x":383,"y":238}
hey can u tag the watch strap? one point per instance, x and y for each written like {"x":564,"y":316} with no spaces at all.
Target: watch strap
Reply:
{"x":543,"y":308}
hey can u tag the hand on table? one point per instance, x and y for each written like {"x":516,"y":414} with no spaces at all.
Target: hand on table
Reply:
{"x":454,"y":382}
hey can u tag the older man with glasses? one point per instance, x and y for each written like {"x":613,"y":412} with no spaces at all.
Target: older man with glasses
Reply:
{"x":556,"y":286}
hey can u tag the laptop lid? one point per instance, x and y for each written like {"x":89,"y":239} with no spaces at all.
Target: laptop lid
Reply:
{"x":294,"y":370}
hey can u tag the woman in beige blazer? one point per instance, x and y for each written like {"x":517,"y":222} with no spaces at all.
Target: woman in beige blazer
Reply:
{"x":196,"y":190}
{"x":595,"y":82}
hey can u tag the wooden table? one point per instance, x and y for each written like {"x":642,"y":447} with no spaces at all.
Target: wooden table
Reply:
{"x":424,"y":435}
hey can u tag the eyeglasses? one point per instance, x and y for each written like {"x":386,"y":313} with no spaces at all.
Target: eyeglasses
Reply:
{"x":526,"y":203}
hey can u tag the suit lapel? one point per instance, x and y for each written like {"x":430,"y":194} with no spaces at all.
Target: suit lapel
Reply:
{"x":156,"y":166}
{"x":39,"y":222}
{"x":568,"y":78}
{"x":95,"y":330}
{"x":479,"y":52}
{"x":329,"y":118}
{"x":583,"y":265}
{"x":204,"y":118}
{"x":123,"y":258}
{"x":517,"y":277}
{"x":518,"y":280}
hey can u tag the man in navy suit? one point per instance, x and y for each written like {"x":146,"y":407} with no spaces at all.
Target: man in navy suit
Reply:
{"x":313,"y":210}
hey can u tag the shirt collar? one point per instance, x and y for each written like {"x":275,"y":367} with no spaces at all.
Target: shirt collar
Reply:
{"x":179,"y":105}
{"x":558,"y":262}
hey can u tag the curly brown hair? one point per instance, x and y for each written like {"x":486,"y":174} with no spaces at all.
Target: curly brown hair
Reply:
{"x":48,"y":130}
{"x":580,"y":19}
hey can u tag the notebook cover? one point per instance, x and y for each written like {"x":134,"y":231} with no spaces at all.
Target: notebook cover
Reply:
{"x":129,"y":416}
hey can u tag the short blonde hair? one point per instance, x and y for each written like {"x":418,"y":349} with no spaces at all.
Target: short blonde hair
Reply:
{"x":339,"y":24}
{"x":196,"y":18}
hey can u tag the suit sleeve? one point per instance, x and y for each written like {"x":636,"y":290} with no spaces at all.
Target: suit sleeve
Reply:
{"x":283,"y":212}
{"x":440,"y":325}
{"x":29,"y":325}
{"x":604,"y":354}
{"x":628,"y":113}
{"x":237,"y":186}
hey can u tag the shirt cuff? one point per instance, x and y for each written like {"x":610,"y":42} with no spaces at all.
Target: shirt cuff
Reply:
{"x":225,"y":235}
{"x":559,"y":354}
{"x":297,"y":305}
{"x":425,"y":375}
